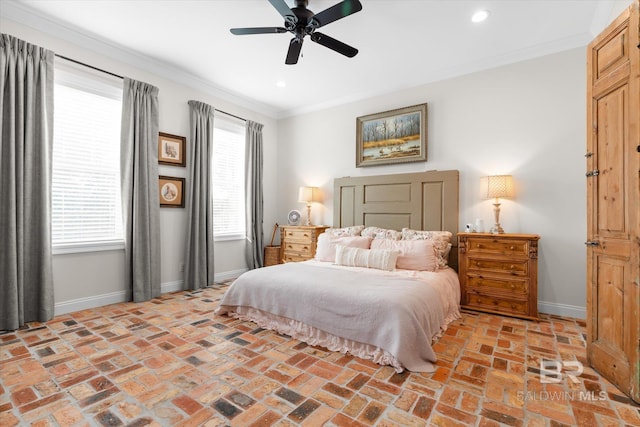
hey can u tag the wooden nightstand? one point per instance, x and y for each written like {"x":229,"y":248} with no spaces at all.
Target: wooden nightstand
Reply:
{"x":499,"y":273}
{"x":298,"y":242}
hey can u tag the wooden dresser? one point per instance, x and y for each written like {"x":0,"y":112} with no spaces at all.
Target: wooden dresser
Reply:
{"x":499,"y":273}
{"x":298,"y":242}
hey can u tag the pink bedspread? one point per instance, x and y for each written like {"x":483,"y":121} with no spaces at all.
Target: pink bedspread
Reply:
{"x":389,"y":317}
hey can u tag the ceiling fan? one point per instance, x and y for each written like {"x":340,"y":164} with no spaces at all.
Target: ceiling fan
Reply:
{"x":301,"y":22}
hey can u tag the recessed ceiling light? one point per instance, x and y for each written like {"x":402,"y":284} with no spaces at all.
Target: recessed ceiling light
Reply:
{"x":480,"y":16}
{"x":281,"y":83}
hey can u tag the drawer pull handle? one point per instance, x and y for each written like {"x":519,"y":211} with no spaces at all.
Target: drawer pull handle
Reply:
{"x":477,"y":263}
{"x":513,"y":306}
{"x":512,"y":267}
{"x":478,"y":300}
{"x":512,"y":248}
{"x":305,"y":247}
{"x":305,"y":235}
{"x":513,"y":286}
{"x":478,"y":245}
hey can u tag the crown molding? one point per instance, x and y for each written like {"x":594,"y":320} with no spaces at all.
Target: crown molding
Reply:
{"x":528,"y":53}
{"x":49,"y":25}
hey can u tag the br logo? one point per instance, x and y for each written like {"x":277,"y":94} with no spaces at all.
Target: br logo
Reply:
{"x":551,"y":371}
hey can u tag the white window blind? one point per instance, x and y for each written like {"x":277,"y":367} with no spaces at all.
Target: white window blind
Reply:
{"x":228,"y":178}
{"x":87,"y":213}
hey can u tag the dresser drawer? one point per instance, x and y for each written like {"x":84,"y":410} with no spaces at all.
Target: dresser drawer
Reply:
{"x":480,"y":283}
{"x":300,"y":235}
{"x":305,"y":249}
{"x":498,"y":246}
{"x":292,"y":257}
{"x":476,"y":300}
{"x":515,"y":267}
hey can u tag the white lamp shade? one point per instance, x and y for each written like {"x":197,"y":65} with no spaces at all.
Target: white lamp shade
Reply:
{"x":306,"y":194}
{"x":496,"y":186}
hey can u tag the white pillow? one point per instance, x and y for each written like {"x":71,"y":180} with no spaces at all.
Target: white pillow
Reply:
{"x":371,"y":258}
{"x":418,"y":255}
{"x":326,"y":247}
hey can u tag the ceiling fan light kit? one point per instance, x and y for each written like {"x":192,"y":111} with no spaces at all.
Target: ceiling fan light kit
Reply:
{"x":302,"y":22}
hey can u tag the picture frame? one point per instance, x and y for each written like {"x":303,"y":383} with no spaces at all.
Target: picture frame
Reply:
{"x":394,"y":136}
{"x":171,"y":149}
{"x":171,"y":191}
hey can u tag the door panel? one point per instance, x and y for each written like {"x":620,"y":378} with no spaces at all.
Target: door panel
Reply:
{"x":613,"y":203}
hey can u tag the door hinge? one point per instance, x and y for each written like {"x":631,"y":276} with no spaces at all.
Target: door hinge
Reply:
{"x":592,"y":243}
{"x":594,"y":172}
{"x":588,"y":155}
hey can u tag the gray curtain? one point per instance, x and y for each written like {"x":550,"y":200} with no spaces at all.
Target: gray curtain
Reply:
{"x":199,"y":269}
{"x":254,"y":196}
{"x":26,"y":126}
{"x":139,"y":180}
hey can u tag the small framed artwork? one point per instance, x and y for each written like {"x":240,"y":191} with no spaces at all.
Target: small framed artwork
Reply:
{"x":396,"y":136}
{"x":171,"y":192}
{"x":171,"y":149}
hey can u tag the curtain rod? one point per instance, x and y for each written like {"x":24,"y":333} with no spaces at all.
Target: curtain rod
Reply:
{"x":229,"y":114}
{"x":90,"y":66}
{"x":120,"y":77}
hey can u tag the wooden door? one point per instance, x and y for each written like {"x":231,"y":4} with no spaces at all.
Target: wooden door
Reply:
{"x":613,"y":203}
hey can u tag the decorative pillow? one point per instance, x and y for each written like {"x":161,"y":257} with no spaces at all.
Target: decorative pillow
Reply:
{"x":345,"y":231}
{"x":326,"y":247}
{"x":441,"y":241}
{"x":381,"y":259}
{"x":413,"y":254}
{"x":381,"y":233}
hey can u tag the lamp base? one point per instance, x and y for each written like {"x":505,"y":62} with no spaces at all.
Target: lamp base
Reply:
{"x":308,"y":223}
{"x":496,"y":229}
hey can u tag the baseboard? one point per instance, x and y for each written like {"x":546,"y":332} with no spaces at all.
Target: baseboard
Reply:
{"x":79,"y":304}
{"x":229,"y":275}
{"x":174,"y":286}
{"x":94,"y":301}
{"x":563,"y":310}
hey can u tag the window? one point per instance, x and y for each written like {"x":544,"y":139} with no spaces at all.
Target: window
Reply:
{"x":87,"y":213}
{"x":228,"y":178}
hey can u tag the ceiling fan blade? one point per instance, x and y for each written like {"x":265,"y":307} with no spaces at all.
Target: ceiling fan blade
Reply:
{"x":258,"y":30}
{"x":335,"y":12}
{"x":284,"y":10}
{"x":295,"y":46}
{"x":334,"y":44}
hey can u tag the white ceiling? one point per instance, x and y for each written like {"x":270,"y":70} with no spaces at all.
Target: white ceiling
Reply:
{"x":401,"y":44}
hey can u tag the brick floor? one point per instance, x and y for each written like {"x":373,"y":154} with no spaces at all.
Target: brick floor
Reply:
{"x":171,"y":361}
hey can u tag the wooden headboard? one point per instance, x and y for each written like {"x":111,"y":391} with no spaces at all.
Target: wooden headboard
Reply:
{"x":421,"y":201}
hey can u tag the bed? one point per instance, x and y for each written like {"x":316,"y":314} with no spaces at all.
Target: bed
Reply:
{"x":380,"y":288}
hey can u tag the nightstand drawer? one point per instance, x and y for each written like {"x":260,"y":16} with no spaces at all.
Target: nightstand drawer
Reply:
{"x":294,"y":258}
{"x":516,"y":286}
{"x":498,"y":246}
{"x":299,"y":235}
{"x":475,"y":300}
{"x":513,"y":267}
{"x":298,"y":248}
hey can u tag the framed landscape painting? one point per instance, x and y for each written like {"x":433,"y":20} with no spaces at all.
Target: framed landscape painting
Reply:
{"x":396,"y":136}
{"x":171,"y":149}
